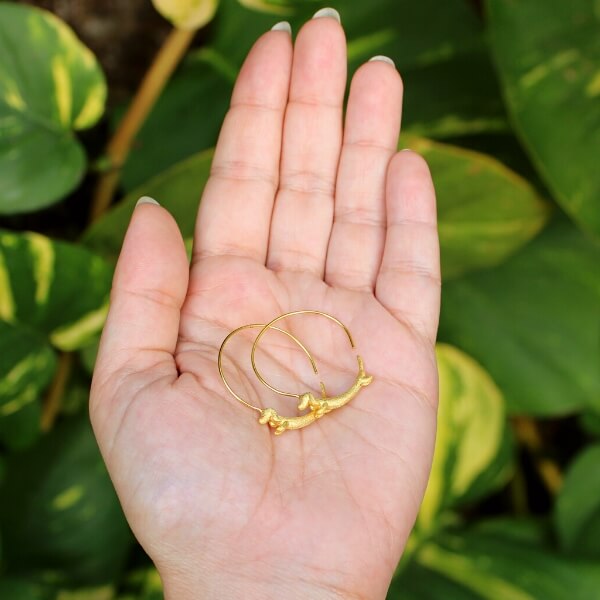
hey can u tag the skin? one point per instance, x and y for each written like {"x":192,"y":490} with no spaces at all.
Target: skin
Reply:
{"x":299,"y":212}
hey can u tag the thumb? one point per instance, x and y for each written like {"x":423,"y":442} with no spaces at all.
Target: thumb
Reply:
{"x":149,"y":287}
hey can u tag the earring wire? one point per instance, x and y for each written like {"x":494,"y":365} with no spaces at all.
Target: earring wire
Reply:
{"x":269,"y":325}
{"x":220,"y":362}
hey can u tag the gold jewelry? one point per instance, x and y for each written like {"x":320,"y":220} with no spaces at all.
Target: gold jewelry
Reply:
{"x":230,"y":335}
{"x":318,"y":406}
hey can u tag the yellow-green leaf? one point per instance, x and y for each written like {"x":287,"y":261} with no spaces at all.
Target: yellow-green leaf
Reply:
{"x":27,"y":364}
{"x":56,"y":288}
{"x":470,"y":437}
{"x":52,"y":294}
{"x":485,"y":210}
{"x":187,"y":14}
{"x":482,"y":563}
{"x":105,"y":592}
{"x":275,"y":7}
{"x":50,"y":86}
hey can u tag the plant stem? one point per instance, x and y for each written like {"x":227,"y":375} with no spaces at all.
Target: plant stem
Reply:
{"x":155,"y":79}
{"x":528,"y":434}
{"x":56,"y":391}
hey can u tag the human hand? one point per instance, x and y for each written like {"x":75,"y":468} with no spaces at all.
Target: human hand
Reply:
{"x":297,"y":214}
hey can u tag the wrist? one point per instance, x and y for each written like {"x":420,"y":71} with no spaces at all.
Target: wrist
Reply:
{"x":230,"y":585}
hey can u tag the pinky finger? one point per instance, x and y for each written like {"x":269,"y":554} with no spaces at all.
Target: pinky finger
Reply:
{"x":408,"y":283}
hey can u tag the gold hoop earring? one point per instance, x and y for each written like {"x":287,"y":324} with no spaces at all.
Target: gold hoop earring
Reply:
{"x":318,"y":406}
{"x":325,"y":404}
{"x":231,"y":334}
{"x":269,"y":325}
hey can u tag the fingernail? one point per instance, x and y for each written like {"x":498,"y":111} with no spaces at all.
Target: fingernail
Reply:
{"x":406,"y":150}
{"x":328,"y":12}
{"x":282,"y":26}
{"x":146,"y":200}
{"x":385,"y":59}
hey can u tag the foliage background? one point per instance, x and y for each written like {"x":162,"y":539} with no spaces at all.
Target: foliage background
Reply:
{"x":503,"y":100}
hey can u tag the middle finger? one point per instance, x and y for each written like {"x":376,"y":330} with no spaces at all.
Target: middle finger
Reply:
{"x":312,"y":137}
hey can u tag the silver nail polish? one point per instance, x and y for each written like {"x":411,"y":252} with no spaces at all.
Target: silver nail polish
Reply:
{"x":385,"y":59}
{"x":328,"y":12}
{"x":146,"y":200}
{"x":282,"y":26}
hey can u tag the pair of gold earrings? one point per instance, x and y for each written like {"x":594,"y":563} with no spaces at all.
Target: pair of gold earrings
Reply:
{"x":317,"y":406}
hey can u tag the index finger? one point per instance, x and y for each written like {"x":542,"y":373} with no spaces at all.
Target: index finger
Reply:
{"x":235,"y":211}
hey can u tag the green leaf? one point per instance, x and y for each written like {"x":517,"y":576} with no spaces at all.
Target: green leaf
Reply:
{"x":577,"y":509}
{"x":27,"y":363}
{"x":485,"y":211}
{"x":187,"y":14}
{"x":185,"y":129}
{"x":88,"y":354}
{"x":433,"y":55}
{"x":471,"y":433}
{"x":52,"y":294}
{"x":436,"y":57}
{"x":143,"y":584}
{"x":548,"y":55}
{"x":56,"y":288}
{"x":21,"y":589}
{"x":50,"y":86}
{"x":420,"y":583}
{"x":61,"y":520}
{"x":530,"y":531}
{"x":533,"y":323}
{"x":505,"y":147}
{"x":178,"y":189}
{"x":483,"y":565}
{"x":105,"y":592}
{"x":280,"y":7}
{"x":590,"y":421}
{"x":76,"y":395}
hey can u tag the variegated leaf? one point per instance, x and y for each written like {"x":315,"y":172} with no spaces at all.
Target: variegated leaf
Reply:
{"x":485,"y":210}
{"x":27,"y":363}
{"x":50,"y":86}
{"x":61,"y":520}
{"x":187,"y":14}
{"x":471,"y":437}
{"x":279,"y":7}
{"x":493,"y":563}
{"x":52,"y":294}
{"x":548,"y":56}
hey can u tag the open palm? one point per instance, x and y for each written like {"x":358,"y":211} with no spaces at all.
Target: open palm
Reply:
{"x":299,"y":213}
